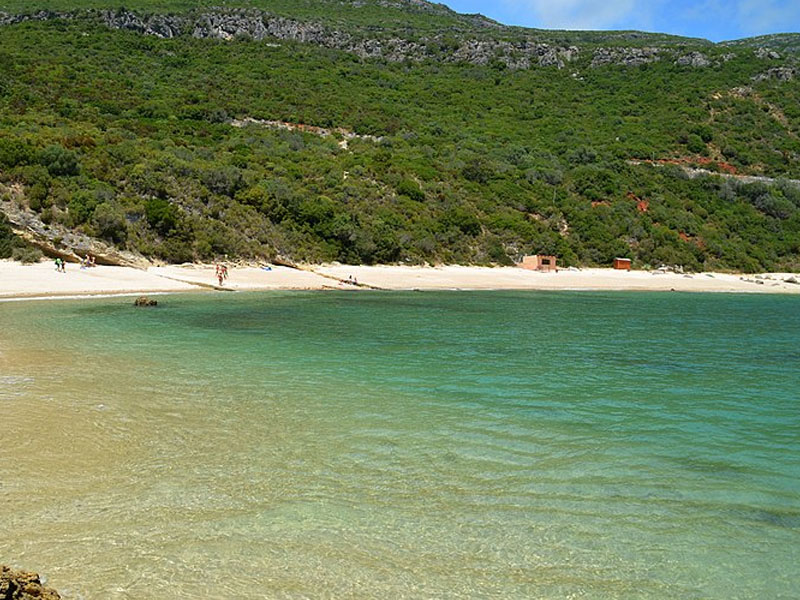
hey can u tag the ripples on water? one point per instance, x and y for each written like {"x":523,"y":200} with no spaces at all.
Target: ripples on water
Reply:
{"x":508,"y":445}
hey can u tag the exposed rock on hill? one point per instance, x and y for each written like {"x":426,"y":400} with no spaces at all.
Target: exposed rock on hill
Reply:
{"x":694,"y":59}
{"x":257,"y":25}
{"x":629,"y":57}
{"x":58,"y":240}
{"x":23,"y":585}
{"x":766,"y":53}
{"x":777,"y":73}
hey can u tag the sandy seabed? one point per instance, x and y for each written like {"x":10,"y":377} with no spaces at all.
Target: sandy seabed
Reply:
{"x":41,"y":280}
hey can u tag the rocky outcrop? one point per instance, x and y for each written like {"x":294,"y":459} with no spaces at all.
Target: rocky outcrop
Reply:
{"x":41,"y":15}
{"x":766,"y":53}
{"x":777,"y":73}
{"x":696,"y":60}
{"x":23,"y":585}
{"x":629,"y":57}
{"x":60,"y":241}
{"x":515,"y":55}
{"x":250,"y":23}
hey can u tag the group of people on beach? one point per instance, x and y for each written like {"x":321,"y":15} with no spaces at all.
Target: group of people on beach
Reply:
{"x":221,"y":273}
{"x":86,"y":262}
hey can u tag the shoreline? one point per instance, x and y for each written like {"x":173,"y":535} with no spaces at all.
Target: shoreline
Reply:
{"x":41,"y":282}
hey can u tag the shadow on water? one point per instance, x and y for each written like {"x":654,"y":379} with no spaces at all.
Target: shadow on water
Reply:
{"x":785,"y":519}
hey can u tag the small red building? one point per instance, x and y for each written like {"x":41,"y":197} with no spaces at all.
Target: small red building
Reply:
{"x":622,"y":264}
{"x":539,"y":262}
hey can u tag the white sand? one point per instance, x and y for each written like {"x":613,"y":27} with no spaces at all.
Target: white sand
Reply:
{"x":41,"y":280}
{"x":248,"y":278}
{"x":20,"y":281}
{"x":485,"y":278}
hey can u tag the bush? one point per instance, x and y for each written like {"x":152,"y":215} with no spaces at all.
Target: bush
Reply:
{"x":7,"y":238}
{"x":81,"y":207}
{"x":109,"y":224}
{"x":59,"y":161}
{"x":161,"y":215}
{"x":695,"y":144}
{"x":27,"y":254}
{"x":410,"y":189}
{"x":14,"y":152}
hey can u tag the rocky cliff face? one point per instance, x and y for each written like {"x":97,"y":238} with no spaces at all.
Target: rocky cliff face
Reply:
{"x":629,"y":57}
{"x":58,"y":240}
{"x":467,"y":43}
{"x":257,"y":25}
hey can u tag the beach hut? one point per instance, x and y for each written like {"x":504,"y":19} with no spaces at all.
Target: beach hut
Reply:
{"x":539,"y":262}
{"x":622,"y":264}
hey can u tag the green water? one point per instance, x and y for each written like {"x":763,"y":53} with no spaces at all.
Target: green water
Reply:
{"x":387,"y":445}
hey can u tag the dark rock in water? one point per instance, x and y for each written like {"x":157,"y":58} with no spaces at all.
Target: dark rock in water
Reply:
{"x":145,"y":301}
{"x":23,"y":585}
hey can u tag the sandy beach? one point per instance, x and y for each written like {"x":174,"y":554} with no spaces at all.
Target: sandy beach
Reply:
{"x":42,"y":281}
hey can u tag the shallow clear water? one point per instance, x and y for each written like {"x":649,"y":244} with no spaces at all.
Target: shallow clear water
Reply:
{"x":448,"y":445}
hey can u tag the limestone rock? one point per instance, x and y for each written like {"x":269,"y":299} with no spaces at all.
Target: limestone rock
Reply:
{"x":629,"y":57}
{"x":766,"y":53}
{"x":694,"y":59}
{"x":228,"y":24}
{"x":778,"y":74}
{"x":23,"y":585}
{"x":57,"y":240}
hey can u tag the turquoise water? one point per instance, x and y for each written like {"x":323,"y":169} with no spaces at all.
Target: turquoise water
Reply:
{"x":387,"y":445}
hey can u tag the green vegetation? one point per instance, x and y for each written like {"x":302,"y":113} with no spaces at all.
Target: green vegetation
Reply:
{"x":128,"y":138}
{"x":15,"y":248}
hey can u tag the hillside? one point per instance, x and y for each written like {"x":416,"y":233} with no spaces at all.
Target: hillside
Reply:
{"x":392,"y":131}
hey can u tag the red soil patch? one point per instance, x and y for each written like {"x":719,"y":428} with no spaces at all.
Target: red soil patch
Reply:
{"x":641,"y":205}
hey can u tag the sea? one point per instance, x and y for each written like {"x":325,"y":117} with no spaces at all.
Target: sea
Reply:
{"x":492,"y":444}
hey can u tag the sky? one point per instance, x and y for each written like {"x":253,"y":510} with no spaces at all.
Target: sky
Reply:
{"x":715,"y":20}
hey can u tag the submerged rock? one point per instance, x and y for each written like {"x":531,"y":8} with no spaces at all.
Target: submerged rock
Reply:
{"x":23,"y":585}
{"x":145,"y":301}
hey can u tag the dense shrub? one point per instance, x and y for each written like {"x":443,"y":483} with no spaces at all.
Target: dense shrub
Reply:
{"x":59,"y":161}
